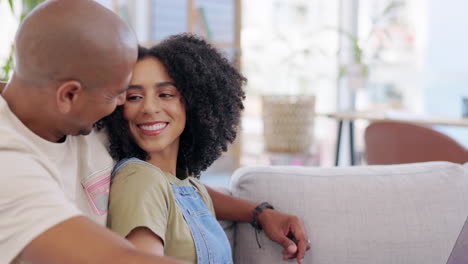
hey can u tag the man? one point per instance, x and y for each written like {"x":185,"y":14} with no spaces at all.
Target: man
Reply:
{"x":73,"y":64}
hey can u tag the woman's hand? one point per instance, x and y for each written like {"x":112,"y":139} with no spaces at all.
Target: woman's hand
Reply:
{"x":286,"y":230}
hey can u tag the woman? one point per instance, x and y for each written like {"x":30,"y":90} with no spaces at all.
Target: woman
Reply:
{"x":182,"y":110}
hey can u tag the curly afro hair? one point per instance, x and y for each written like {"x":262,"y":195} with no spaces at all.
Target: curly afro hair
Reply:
{"x":212,"y":91}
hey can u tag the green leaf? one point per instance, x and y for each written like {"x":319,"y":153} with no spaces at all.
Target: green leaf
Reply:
{"x":357,"y":50}
{"x":10,"y":2}
{"x":342,"y":71}
{"x":365,"y":70}
{"x":8,"y":67}
{"x":28,"y":5}
{"x":391,"y":7}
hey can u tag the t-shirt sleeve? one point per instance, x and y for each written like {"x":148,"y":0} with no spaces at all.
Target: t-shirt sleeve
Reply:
{"x":31,"y":202}
{"x":139,"y":197}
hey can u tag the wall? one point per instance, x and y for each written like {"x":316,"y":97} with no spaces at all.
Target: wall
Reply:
{"x":445,"y":71}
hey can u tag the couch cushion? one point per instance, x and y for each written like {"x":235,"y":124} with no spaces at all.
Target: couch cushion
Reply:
{"x":401,"y":214}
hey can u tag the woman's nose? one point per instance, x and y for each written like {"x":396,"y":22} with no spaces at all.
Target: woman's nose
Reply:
{"x":151,"y":105}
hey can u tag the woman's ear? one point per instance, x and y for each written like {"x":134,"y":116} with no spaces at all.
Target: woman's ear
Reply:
{"x":67,"y":95}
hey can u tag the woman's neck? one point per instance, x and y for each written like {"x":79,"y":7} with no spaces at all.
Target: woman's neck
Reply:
{"x":165,"y":161}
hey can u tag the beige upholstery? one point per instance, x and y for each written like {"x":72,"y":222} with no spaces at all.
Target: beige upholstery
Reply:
{"x":391,"y":214}
{"x":392,"y":142}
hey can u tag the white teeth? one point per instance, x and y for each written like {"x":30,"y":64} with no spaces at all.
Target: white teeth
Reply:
{"x":153,"y":127}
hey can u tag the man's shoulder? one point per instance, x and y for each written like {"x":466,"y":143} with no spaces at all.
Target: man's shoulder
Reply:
{"x":11,"y":140}
{"x":93,"y":145}
{"x":95,"y":138}
{"x":12,"y":134}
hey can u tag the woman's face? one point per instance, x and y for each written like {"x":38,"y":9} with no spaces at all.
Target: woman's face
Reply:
{"x":154,"y":109}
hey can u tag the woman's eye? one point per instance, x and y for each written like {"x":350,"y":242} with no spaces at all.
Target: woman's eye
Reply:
{"x":133,"y":97}
{"x":164,"y":95}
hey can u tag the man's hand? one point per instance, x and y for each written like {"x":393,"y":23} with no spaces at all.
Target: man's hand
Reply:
{"x":286,"y":230}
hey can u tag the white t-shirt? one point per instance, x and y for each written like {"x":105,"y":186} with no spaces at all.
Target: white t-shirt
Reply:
{"x":45,"y":183}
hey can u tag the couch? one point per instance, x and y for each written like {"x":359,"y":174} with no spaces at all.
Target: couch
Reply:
{"x":392,"y":214}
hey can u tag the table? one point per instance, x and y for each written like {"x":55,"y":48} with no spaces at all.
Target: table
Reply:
{"x":418,"y":119}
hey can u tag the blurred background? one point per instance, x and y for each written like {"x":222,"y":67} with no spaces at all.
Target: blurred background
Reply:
{"x":305,"y":59}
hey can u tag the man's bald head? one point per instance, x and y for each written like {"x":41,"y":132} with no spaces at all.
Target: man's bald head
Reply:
{"x":64,"y":40}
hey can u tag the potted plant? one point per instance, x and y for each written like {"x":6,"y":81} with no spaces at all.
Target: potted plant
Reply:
{"x":27,"y":6}
{"x":288,"y":106}
{"x":357,"y":71}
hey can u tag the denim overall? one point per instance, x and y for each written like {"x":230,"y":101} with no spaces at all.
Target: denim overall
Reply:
{"x":211,"y":243}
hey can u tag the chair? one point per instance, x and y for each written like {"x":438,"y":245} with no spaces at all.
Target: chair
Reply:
{"x":393,"y":142}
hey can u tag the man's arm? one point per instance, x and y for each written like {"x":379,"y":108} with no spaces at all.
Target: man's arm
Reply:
{"x":79,"y":240}
{"x":42,"y":225}
{"x":277,"y":226}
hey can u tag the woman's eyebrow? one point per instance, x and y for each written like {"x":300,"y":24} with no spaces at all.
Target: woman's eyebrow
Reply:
{"x":123,"y":91}
{"x":156,"y":85}
{"x":163,"y":84}
{"x":135,"y":86}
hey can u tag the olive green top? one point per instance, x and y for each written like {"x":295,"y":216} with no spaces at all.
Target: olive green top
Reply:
{"x":141,"y":196}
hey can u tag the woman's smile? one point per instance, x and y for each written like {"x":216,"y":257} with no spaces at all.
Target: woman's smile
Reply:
{"x":152,"y":128}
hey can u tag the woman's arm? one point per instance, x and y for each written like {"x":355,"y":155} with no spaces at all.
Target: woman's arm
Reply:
{"x":278,"y":226}
{"x":137,"y":207}
{"x":230,"y":208}
{"x":144,"y":239}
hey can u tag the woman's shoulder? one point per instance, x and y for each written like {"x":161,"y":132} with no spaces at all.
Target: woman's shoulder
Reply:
{"x":197,"y":184}
{"x":139,"y":174}
{"x":202,"y":191}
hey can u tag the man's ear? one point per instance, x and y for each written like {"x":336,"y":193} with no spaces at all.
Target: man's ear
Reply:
{"x":67,"y":95}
